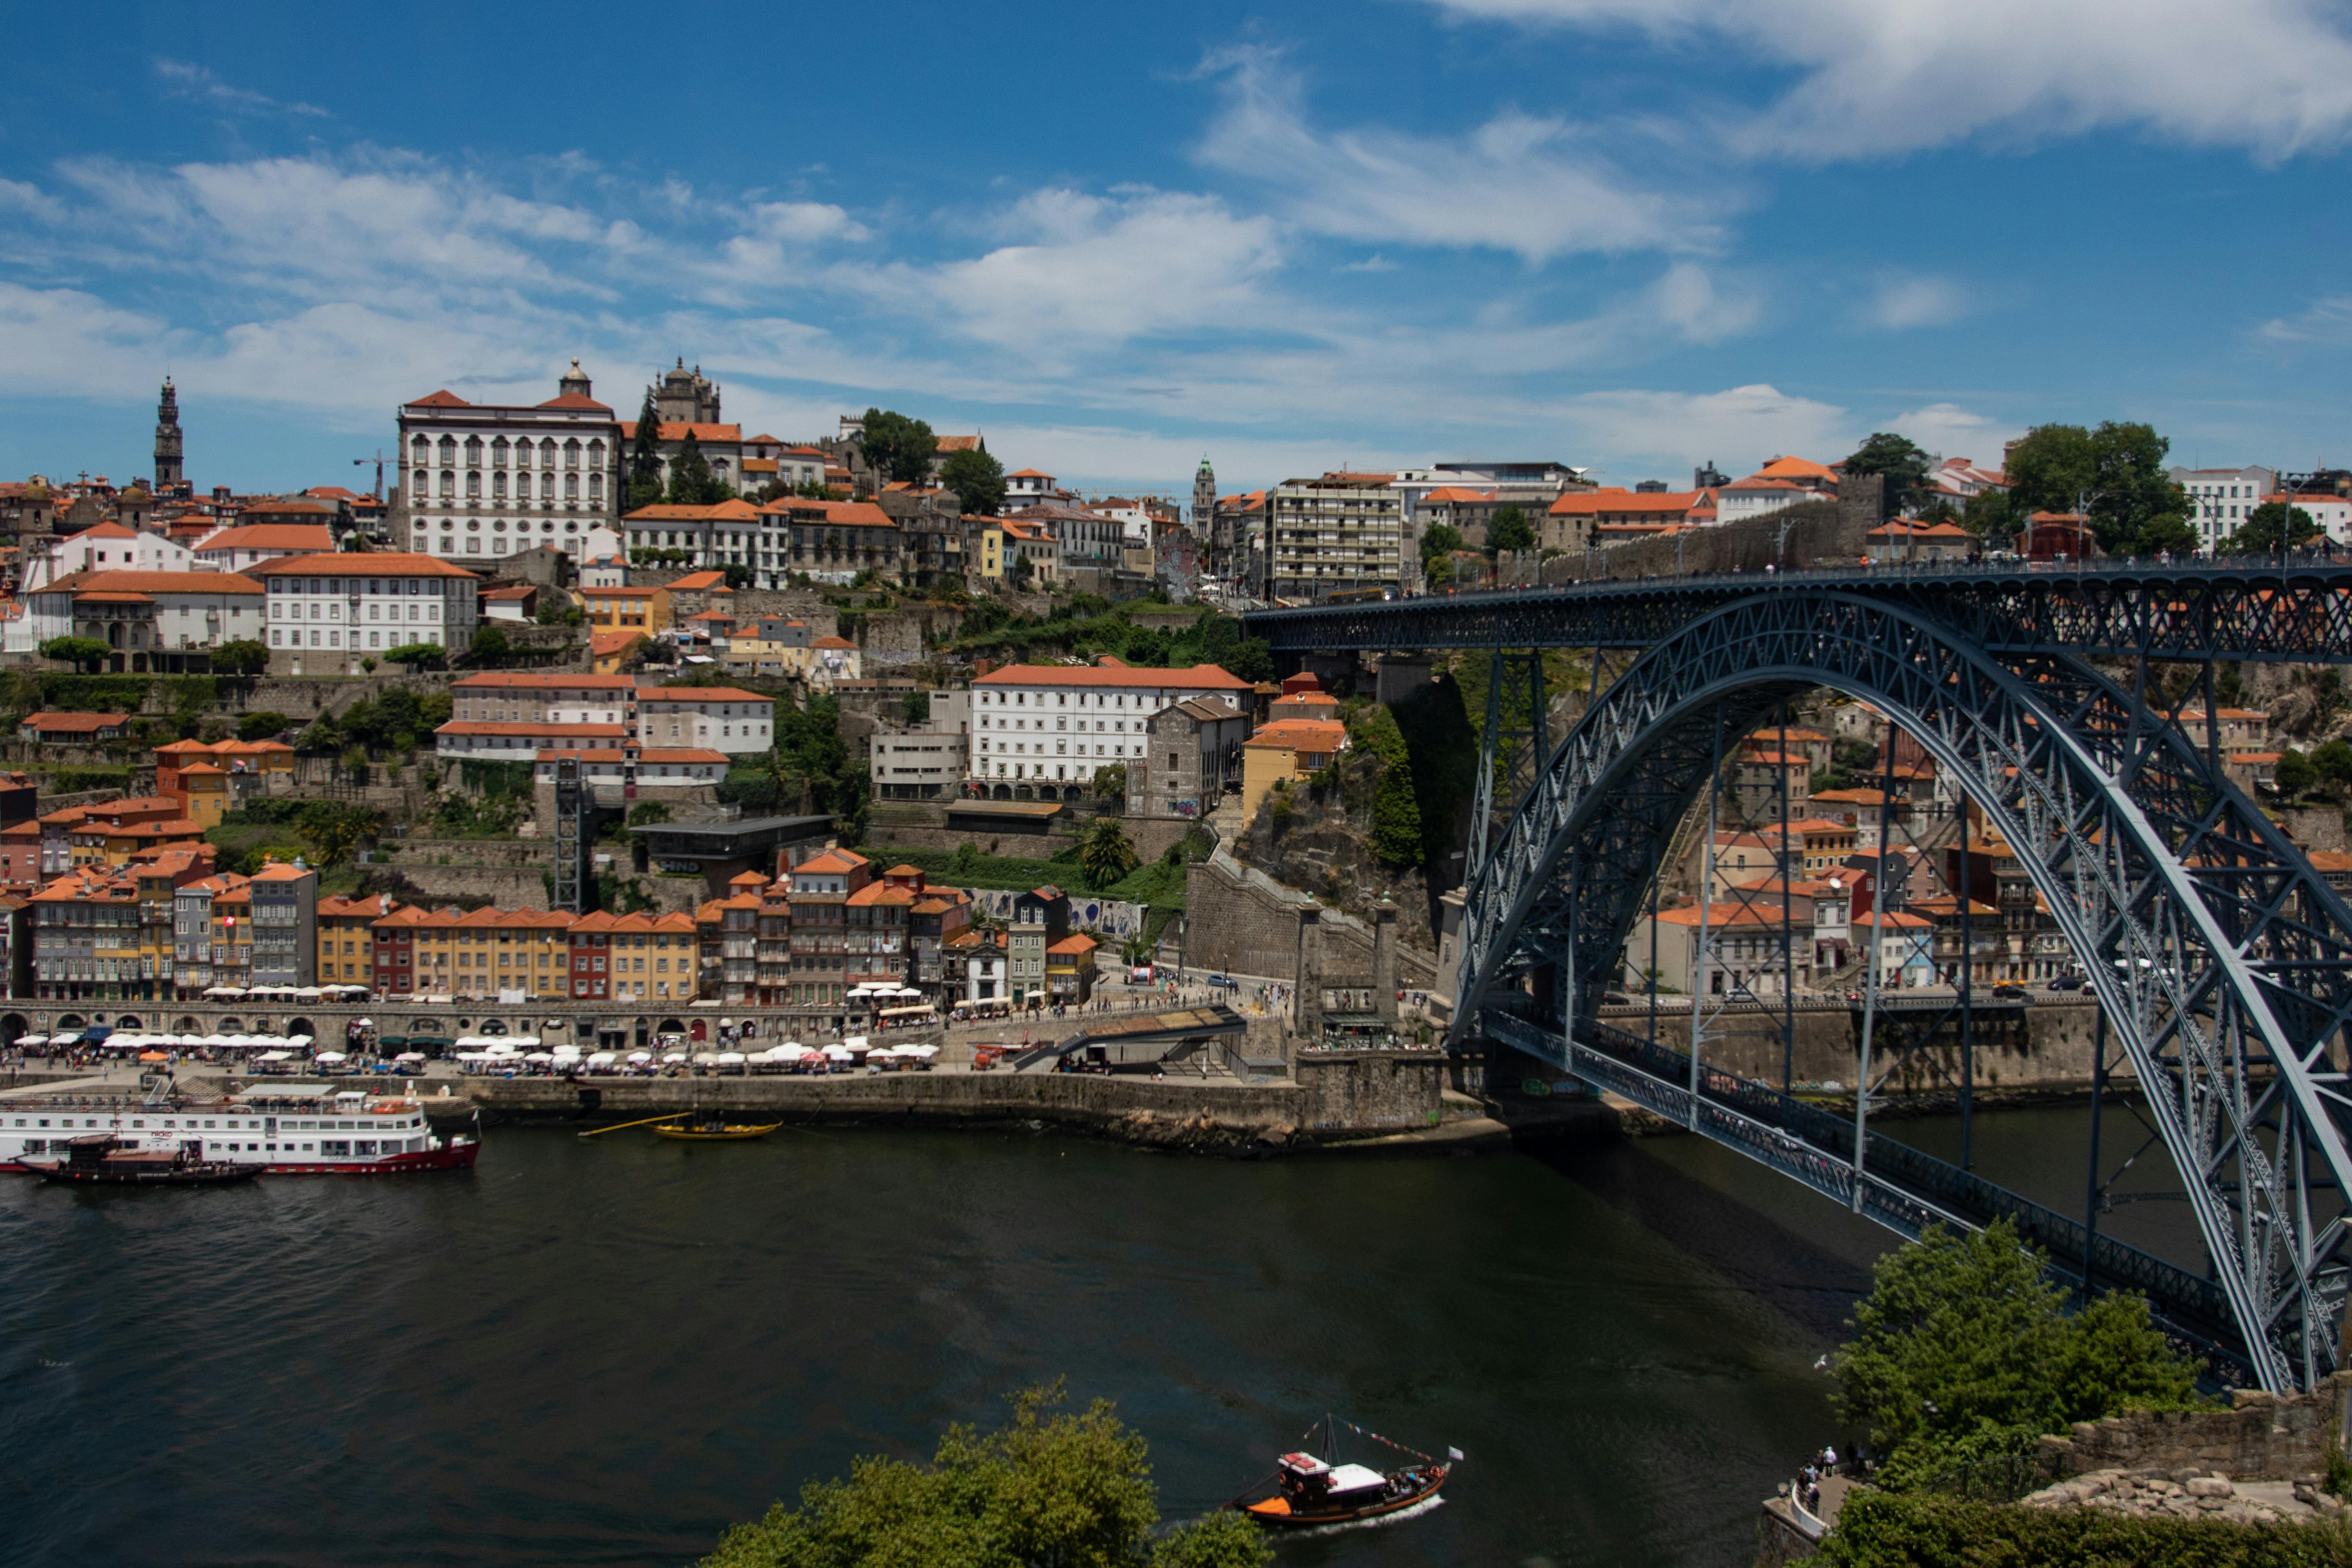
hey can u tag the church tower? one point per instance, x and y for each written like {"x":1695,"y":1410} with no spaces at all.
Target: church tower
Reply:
{"x":1205,"y":498}
{"x":168,"y":474}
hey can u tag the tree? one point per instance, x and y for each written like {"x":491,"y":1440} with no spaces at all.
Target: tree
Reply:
{"x":1899,"y":462}
{"x":915,"y":707}
{"x":490,"y":643}
{"x":737,"y":576}
{"x":1509,"y":529}
{"x":644,"y":478}
{"x":1050,"y":1487}
{"x":2267,"y":526}
{"x":415,"y":655}
{"x":1105,"y":852}
{"x":2117,"y":471}
{"x":241,"y":656}
{"x":1019,"y":569}
{"x":1396,"y":809}
{"x":87,"y":654}
{"x":1252,"y":659}
{"x":978,"y":480}
{"x":262,"y":726}
{"x":2293,"y":773}
{"x":1438,"y":540}
{"x":1963,"y":1350}
{"x":691,"y":479}
{"x":897,"y":447}
{"x":1110,"y":783}
{"x":1990,"y":513}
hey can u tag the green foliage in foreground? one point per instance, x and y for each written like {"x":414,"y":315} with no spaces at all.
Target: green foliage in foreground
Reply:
{"x":1072,"y":1491}
{"x":1882,"y":1530}
{"x":1963,"y":1351}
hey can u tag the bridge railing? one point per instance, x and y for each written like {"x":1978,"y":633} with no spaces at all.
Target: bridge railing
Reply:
{"x":1903,"y":1188}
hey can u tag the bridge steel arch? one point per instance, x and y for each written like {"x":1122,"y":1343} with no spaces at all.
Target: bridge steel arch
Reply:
{"x":2223,"y":961}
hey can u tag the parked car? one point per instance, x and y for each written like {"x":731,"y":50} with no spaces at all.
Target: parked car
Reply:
{"x":1224,"y":982}
{"x":2011,"y":994}
{"x":1616,"y":999}
{"x":2068,"y":983}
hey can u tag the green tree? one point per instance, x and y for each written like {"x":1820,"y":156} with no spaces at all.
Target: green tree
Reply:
{"x":915,"y":708}
{"x":1018,"y":570}
{"x":1963,"y":1350}
{"x":1110,"y":783}
{"x":1105,"y":852}
{"x":2293,"y":775}
{"x":490,"y":643}
{"x":415,"y":655}
{"x":897,"y":447}
{"x":978,"y":480}
{"x":337,"y":830}
{"x":1050,"y":1487}
{"x":2270,"y":525}
{"x":262,"y":726}
{"x":645,"y":477}
{"x":692,"y":483}
{"x":1396,"y":809}
{"x":1902,"y":465}
{"x":737,"y":576}
{"x":241,"y":656}
{"x":1509,"y":529}
{"x":2117,"y":471}
{"x":1438,"y":540}
{"x":87,"y":654}
{"x":1990,"y":514}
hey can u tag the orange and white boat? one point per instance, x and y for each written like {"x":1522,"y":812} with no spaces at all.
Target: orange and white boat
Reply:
{"x":1310,"y":1491}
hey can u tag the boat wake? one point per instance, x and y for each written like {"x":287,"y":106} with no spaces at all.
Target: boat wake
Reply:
{"x":1379,"y":1521}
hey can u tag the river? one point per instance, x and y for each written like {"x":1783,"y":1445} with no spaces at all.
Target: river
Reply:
{"x":606,"y":1352}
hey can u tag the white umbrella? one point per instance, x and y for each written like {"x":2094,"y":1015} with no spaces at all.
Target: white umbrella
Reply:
{"x":674,"y":1056}
{"x":308,"y":993}
{"x":641,"y":1057}
{"x":329,"y":1056}
{"x":924,"y":1051}
{"x":837,"y":1054}
{"x":216,"y":1040}
{"x":730,"y":1058}
{"x":278,"y":1056}
{"x":538,"y":1056}
{"x":602,"y":1058}
{"x":297,"y":1039}
{"x":409,"y":1056}
{"x":856,"y":1043}
{"x":367,"y":1023}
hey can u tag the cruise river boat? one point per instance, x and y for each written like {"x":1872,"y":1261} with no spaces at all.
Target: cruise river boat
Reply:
{"x":1307,"y":1489}
{"x":305,"y":1133}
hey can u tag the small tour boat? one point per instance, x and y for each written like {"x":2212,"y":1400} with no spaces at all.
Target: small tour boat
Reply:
{"x":104,"y":1160}
{"x":712,"y":1130}
{"x":1310,"y":1491}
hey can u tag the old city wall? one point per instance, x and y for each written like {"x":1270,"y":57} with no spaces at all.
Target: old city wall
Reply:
{"x":1361,"y":1090}
{"x":2260,"y":1437}
{"x":1819,"y":534}
{"x":1152,"y":836}
{"x":1243,"y":921}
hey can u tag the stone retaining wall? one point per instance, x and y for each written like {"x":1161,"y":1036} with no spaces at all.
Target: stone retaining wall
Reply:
{"x":1240,"y":920}
{"x":2260,"y":1437}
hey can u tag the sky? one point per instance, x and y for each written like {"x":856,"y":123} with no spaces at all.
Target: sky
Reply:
{"x":1634,"y":236}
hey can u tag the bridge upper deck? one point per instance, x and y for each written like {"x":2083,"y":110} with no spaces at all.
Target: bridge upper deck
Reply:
{"x":2296,"y":609}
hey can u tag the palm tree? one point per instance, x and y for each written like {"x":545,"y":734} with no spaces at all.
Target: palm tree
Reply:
{"x":1105,"y":853}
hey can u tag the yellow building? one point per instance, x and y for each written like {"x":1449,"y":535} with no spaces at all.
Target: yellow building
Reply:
{"x":991,"y":550}
{"x":205,"y":789}
{"x":1070,"y":969}
{"x":347,"y":939}
{"x":475,"y":956}
{"x":643,"y":610}
{"x":1293,"y":749}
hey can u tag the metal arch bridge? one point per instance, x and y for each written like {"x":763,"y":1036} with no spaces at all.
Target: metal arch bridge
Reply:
{"x":2220,"y":959}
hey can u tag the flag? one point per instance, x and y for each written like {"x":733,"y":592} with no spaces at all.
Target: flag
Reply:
{"x":1454,"y":1454}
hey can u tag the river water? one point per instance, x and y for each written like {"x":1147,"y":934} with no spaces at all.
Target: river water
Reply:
{"x":606,"y":1352}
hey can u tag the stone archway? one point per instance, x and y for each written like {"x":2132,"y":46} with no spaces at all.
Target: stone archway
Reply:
{"x":13,"y":1027}
{"x":129,"y":1021}
{"x":187,"y":1024}
{"x":301,"y":1027}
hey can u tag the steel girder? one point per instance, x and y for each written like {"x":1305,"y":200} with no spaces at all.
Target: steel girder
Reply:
{"x":2222,"y":961}
{"x":2298,"y":611}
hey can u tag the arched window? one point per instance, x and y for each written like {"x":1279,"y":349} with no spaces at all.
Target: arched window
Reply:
{"x":472,"y":451}
{"x":572,"y":486}
{"x":448,"y":449}
{"x":547,"y":453}
{"x":596,"y":485}
{"x":422,"y":448}
{"x":473,"y":484}
{"x":499,"y":453}
{"x":498,"y":484}
{"x":449,"y":484}
{"x":595,"y":454}
{"x":424,"y":485}
{"x":571,"y":454}
{"x":547,"y":483}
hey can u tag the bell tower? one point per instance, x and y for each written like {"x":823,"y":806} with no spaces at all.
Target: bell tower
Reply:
{"x":168,"y":464}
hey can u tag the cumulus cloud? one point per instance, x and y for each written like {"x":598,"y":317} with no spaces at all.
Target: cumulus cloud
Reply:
{"x":1888,"y":78}
{"x":1952,"y":431}
{"x":1737,"y":427}
{"x":1899,"y":304}
{"x":1536,"y":186}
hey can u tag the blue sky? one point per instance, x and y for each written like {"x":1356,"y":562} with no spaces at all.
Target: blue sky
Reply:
{"x":1628,"y":234}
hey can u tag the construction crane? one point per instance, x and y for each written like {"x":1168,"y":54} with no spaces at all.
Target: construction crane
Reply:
{"x":378,"y":460}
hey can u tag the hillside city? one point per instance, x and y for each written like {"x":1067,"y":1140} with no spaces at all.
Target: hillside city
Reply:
{"x":742,"y":712}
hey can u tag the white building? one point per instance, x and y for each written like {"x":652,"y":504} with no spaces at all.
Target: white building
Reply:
{"x":2332,"y":513}
{"x":108,"y":547}
{"x":141,"y":613}
{"x":661,"y":769}
{"x":2220,"y":500}
{"x":520,"y":740}
{"x":249,"y":544}
{"x":490,"y":479}
{"x":563,"y":698}
{"x":1043,"y":729}
{"x":1757,"y":496}
{"x":361,"y":604}
{"x":717,"y":718}
{"x":712,"y":537}
{"x":1029,"y":486}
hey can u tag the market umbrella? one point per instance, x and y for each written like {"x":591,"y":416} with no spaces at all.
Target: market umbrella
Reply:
{"x":409,"y":1056}
{"x":641,"y":1057}
{"x":329,"y":1056}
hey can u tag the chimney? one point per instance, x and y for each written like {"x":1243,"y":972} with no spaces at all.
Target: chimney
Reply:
{"x":1384,"y":986}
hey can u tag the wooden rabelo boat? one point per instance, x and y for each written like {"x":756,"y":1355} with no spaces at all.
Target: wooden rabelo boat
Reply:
{"x":104,"y":1160}
{"x":1312,"y":1491}
{"x":712,"y":1129}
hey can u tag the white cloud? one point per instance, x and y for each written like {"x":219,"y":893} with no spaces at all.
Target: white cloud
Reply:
{"x":1737,"y":427}
{"x":1893,"y":76}
{"x":1535,"y":186}
{"x":1899,"y":304}
{"x":1099,"y":271}
{"x":185,"y":79}
{"x":1688,"y":300}
{"x":2326,"y":321}
{"x":1952,"y":431}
